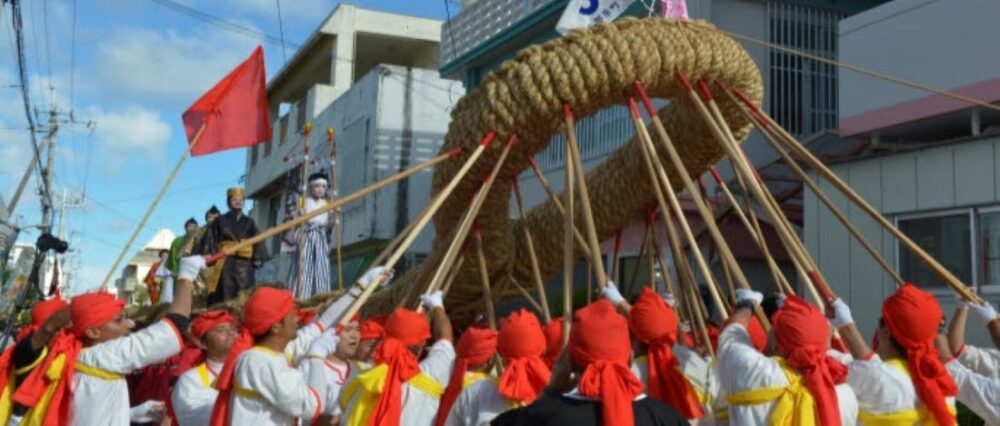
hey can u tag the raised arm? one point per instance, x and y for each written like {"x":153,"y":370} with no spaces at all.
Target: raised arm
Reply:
{"x":190,"y":267}
{"x":611,"y":293}
{"x":956,"y":330}
{"x":841,"y":318}
{"x":440,"y":324}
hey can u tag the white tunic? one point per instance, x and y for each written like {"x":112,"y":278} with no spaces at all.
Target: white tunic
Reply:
{"x":313,"y":204}
{"x":742,"y":368}
{"x":331,"y":376}
{"x":883,"y":387}
{"x":702,"y":376}
{"x":980,"y":393}
{"x":985,"y":362}
{"x":478,"y":404}
{"x":419,"y":408}
{"x":104,"y":401}
{"x":269,"y":391}
{"x":194,"y":395}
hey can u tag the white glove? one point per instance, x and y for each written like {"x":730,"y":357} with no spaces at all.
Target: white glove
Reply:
{"x":325,"y":344}
{"x":840,"y":314}
{"x":190,"y":267}
{"x":611,"y":293}
{"x":369,"y":277}
{"x":669,"y":300}
{"x":433,"y":300}
{"x":984,"y":312}
{"x":747,"y":295}
{"x":149,"y":411}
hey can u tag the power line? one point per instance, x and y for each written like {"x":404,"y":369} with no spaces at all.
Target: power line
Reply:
{"x":223,"y":23}
{"x":281,"y":31}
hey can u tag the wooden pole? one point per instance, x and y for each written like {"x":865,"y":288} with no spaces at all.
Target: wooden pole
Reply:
{"x":306,"y":131}
{"x":614,"y":256}
{"x":484,"y":276}
{"x":536,"y":272}
{"x":656,"y":172}
{"x":668,"y":281}
{"x":651,"y":264}
{"x":524,"y":292}
{"x":709,"y":219}
{"x":156,"y":202}
{"x":588,"y":216}
{"x":558,"y":204}
{"x":421,"y":223}
{"x":467,"y":221}
{"x":339,"y":202}
{"x":627,"y":290}
{"x":450,"y":279}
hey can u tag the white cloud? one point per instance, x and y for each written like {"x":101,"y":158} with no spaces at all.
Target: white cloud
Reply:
{"x":166,"y":65}
{"x":130,"y":131}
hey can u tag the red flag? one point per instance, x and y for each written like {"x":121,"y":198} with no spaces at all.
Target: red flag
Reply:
{"x":234,"y":113}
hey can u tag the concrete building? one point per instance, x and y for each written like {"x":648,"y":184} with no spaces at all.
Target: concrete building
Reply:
{"x":369,"y":76}
{"x":802,"y":95}
{"x":931,"y":162}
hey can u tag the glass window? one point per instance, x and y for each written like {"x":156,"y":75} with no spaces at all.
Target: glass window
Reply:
{"x":947,"y":239}
{"x":988,"y":244}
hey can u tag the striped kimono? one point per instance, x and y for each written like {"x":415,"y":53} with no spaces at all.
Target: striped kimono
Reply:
{"x":312,"y":255}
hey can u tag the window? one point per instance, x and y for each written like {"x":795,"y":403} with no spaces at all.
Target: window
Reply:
{"x":253,"y":155}
{"x":988,"y":247}
{"x":947,"y":237}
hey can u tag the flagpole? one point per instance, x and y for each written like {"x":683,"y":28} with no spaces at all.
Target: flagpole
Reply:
{"x":152,"y":207}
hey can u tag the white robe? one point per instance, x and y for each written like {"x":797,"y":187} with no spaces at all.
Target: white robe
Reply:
{"x":278,"y":391}
{"x":980,"y":393}
{"x":331,"y":376}
{"x":478,"y":404}
{"x":984,"y":362}
{"x":702,"y":376}
{"x":743,"y":368}
{"x":100,"y":401}
{"x":883,"y":388}
{"x":419,"y":408}
{"x":194,"y":395}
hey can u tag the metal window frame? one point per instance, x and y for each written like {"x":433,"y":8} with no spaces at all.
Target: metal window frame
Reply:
{"x":980,"y":286}
{"x":970,"y":212}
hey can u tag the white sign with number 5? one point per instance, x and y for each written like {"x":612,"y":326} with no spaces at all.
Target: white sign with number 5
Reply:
{"x":584,"y":13}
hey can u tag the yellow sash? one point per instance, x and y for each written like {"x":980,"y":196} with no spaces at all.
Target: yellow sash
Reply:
{"x":793,"y":404}
{"x":206,"y":379}
{"x":371,"y":383}
{"x":91,"y":371}
{"x":245,"y":393}
{"x":916,"y":416}
{"x":473,"y":377}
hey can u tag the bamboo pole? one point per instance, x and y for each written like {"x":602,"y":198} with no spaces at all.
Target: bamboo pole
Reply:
{"x":421,"y":223}
{"x":327,"y":208}
{"x":450,"y":279}
{"x":152,"y":206}
{"x":569,"y":228}
{"x":741,"y":164}
{"x":656,"y":171}
{"x":467,"y":221}
{"x":484,"y":275}
{"x":300,"y":275}
{"x":627,"y":290}
{"x":536,"y":272}
{"x":668,"y":282}
{"x":651,"y":265}
{"x":615,"y":256}
{"x":554,"y":198}
{"x":588,"y":215}
{"x":338,"y":225}
{"x":524,"y":292}
{"x":707,"y":217}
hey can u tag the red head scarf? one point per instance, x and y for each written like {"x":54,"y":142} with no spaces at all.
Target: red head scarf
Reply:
{"x":86,"y":311}
{"x":913,"y":317}
{"x":41,"y":313}
{"x":403,"y":329}
{"x":599,"y":343}
{"x":802,"y":334}
{"x":475,"y":347}
{"x":521,"y":346}
{"x":655,"y":324}
{"x":265,"y":308}
{"x":553,"y":340}
{"x":208,"y":320}
{"x":306,"y":316}
{"x":356,"y":318}
{"x":372,"y":329}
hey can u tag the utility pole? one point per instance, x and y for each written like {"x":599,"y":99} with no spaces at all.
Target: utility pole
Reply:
{"x":50,"y":140}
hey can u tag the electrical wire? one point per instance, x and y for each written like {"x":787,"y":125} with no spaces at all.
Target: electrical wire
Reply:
{"x":281,"y":31}
{"x":224,"y":24}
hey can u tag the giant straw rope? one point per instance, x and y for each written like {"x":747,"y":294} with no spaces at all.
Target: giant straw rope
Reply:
{"x":589,"y":69}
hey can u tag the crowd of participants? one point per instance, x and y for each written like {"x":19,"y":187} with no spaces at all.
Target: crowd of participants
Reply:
{"x":624,"y":362}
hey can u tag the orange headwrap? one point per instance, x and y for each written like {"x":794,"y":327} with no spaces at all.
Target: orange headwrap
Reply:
{"x":372,"y":329}
{"x":553,"y":340}
{"x":265,"y":308}
{"x":86,"y":311}
{"x":475,"y":347}
{"x":913,"y":317}
{"x":599,"y":343}
{"x":208,"y":320}
{"x":403,"y":329}
{"x":655,"y":324}
{"x":802,"y":334}
{"x":521,"y":346}
{"x":41,"y":313}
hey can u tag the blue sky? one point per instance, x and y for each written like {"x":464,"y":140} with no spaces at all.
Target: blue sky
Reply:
{"x":132,"y":68}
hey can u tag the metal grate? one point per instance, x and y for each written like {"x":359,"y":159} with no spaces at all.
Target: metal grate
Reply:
{"x":802,"y":94}
{"x":480,"y":21}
